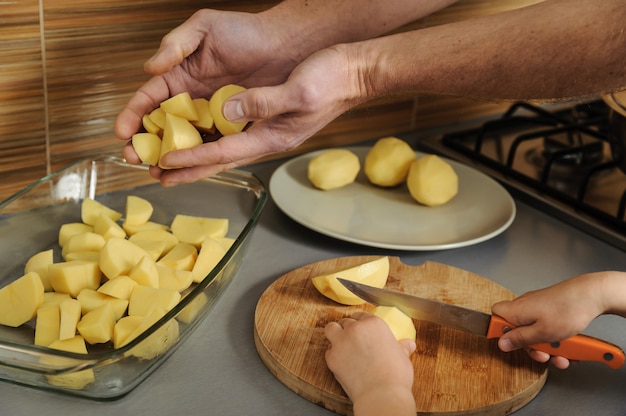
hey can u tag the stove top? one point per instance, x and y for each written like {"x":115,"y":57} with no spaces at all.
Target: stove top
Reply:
{"x":561,"y":160}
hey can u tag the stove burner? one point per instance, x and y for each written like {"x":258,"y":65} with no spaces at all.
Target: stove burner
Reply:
{"x":562,"y":160}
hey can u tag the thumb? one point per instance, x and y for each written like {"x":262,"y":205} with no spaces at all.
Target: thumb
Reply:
{"x":408,"y":345}
{"x":259,"y":103}
{"x":520,"y":337}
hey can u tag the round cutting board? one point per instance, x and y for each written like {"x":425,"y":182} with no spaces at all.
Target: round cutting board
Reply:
{"x":455,"y":373}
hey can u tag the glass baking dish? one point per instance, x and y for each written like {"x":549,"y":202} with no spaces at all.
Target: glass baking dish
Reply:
{"x":30,"y":222}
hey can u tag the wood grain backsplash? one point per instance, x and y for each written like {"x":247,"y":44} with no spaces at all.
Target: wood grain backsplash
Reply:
{"x":67,"y":68}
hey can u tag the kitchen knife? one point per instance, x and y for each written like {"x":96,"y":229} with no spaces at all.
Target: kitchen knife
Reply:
{"x":579,"y":347}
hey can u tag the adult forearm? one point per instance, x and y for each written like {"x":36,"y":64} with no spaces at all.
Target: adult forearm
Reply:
{"x":554,"y":49}
{"x":310,"y":25}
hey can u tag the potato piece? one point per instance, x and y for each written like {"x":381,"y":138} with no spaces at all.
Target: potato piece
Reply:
{"x":178,"y":134}
{"x":174,"y":279}
{"x":216,"y":103}
{"x":47,"y":324}
{"x":70,"y":313}
{"x":145,"y":273}
{"x":138,"y":210}
{"x":92,"y":209}
{"x":157,"y":116}
{"x":123,"y":328}
{"x":150,"y":127}
{"x":70,"y":229}
{"x":76,"y":380}
{"x":168,"y":238}
{"x":211,"y":252}
{"x":73,"y":276}
{"x":226,"y":242}
{"x":159,"y":341}
{"x":194,"y":230}
{"x":181,"y":257}
{"x":145,"y":299}
{"x":400,"y":324}
{"x":432,"y":181}
{"x":96,"y":326}
{"x":108,"y":228}
{"x":180,"y":105}
{"x":372,"y":273}
{"x":387,"y":162}
{"x":150,"y":225}
{"x":148,"y":147}
{"x":83,"y":242}
{"x":39,"y":263}
{"x":120,"y":287}
{"x":205,"y":119}
{"x":119,"y":256}
{"x":191,"y":311}
{"x":91,"y":299}
{"x":333,"y":168}
{"x":20,"y":299}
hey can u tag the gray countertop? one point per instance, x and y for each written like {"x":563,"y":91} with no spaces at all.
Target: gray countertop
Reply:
{"x":217,"y":370}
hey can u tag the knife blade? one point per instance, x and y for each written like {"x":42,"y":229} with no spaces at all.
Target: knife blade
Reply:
{"x":579,"y":347}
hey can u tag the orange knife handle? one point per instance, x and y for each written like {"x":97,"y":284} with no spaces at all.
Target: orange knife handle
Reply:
{"x":578,"y":347}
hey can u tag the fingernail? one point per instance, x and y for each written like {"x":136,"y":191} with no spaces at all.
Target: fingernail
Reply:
{"x":506,"y":345}
{"x":412,"y":346}
{"x":233,"y":110}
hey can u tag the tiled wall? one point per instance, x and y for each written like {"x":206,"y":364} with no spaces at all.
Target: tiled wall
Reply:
{"x":68,"y":67}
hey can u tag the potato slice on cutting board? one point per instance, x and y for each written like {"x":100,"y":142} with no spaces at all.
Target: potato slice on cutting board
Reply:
{"x":372,"y":273}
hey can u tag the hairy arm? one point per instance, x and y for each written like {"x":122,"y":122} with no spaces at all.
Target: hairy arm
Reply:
{"x":555,"y":49}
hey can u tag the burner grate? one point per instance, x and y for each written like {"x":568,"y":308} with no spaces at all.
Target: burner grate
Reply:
{"x":572,"y":146}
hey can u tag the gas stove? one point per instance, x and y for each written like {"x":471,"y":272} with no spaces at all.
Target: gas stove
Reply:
{"x":560,"y":159}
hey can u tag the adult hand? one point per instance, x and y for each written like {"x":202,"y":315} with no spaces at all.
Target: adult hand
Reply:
{"x":210,"y":49}
{"x":551,"y":314}
{"x":320,"y":89}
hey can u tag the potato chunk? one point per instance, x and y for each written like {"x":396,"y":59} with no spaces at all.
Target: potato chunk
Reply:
{"x":194,"y":230}
{"x":20,"y":299}
{"x":73,"y":276}
{"x":138,"y":210}
{"x":180,"y":105}
{"x":401,"y":325}
{"x":179,"y":133}
{"x":148,"y":147}
{"x":39,"y":263}
{"x":47,"y":327}
{"x":96,"y":326}
{"x":333,"y":169}
{"x":92,"y":209}
{"x":432,"y":181}
{"x":119,"y":256}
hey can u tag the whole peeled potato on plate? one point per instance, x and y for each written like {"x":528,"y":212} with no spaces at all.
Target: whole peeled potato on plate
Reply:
{"x":333,"y":169}
{"x":432,"y":181}
{"x":388,"y":161}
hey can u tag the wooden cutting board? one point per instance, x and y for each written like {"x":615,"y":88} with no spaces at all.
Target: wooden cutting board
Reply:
{"x":455,"y":373}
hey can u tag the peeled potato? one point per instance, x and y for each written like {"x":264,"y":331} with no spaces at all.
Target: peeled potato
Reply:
{"x":333,"y":169}
{"x":388,"y":161}
{"x":432,"y":181}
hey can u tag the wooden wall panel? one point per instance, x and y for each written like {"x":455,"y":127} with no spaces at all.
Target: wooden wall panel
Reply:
{"x":22,"y":103}
{"x":67,"y":68}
